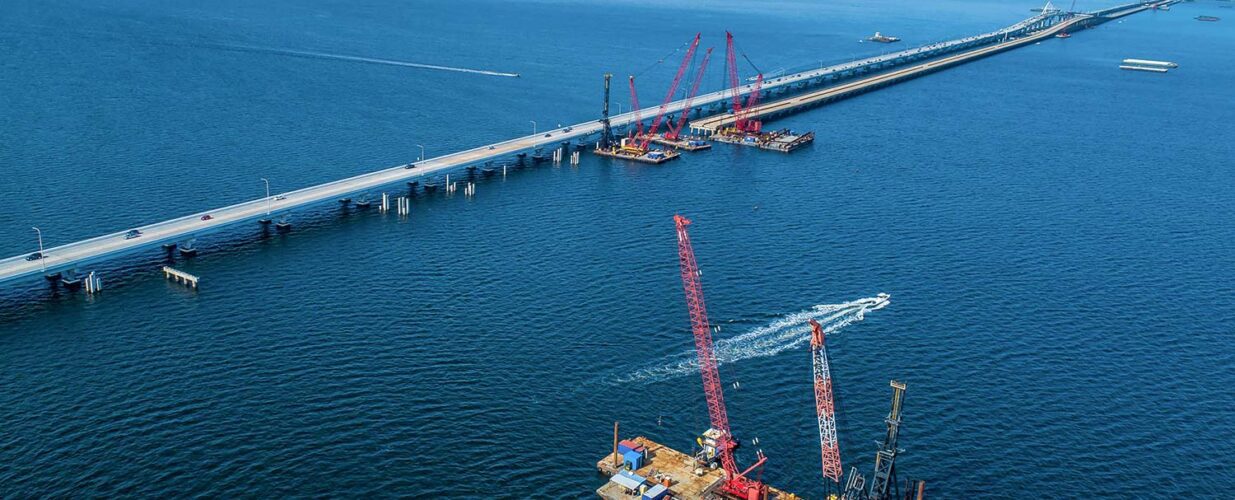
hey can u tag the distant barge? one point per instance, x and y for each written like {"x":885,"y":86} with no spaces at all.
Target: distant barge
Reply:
{"x":1208,"y":18}
{"x":654,"y":471}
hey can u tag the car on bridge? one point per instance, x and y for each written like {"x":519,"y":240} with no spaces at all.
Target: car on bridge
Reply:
{"x":207,"y":217}
{"x":35,"y":256}
{"x":133,"y":233}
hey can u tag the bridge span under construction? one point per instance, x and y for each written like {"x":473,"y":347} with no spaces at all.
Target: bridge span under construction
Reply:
{"x":62,"y":263}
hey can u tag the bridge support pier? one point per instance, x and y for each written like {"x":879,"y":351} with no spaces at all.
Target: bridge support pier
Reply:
{"x":186,"y":247}
{"x":70,"y":279}
{"x":283,"y":225}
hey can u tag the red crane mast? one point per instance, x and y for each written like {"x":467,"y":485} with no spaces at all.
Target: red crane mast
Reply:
{"x":673,"y":89}
{"x":742,"y":120}
{"x":741,"y":111}
{"x":825,"y":407}
{"x":736,"y":483}
{"x":731,"y":64}
{"x":675,"y":132}
{"x":634,"y":107}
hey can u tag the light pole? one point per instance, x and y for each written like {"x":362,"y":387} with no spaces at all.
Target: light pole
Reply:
{"x":422,"y":153}
{"x":267,"y":195}
{"x":533,"y":126}
{"x":42,"y":263}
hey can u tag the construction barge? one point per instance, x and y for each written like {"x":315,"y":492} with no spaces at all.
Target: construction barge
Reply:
{"x":626,"y":150}
{"x":783,"y":140}
{"x":654,"y":471}
{"x":689,"y":143}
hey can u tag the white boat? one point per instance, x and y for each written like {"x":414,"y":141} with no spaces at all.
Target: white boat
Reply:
{"x":1147,"y":62}
{"x":1142,"y":68}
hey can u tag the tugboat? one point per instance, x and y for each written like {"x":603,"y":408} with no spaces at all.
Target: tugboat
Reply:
{"x":1063,"y":34}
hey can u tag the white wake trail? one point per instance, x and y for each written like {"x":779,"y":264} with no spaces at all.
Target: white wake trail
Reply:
{"x":786,"y":333}
{"x":370,"y":60}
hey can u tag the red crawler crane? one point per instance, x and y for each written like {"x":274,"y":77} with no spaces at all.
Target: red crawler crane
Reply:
{"x":634,"y":107}
{"x":675,"y":132}
{"x":743,"y":121}
{"x":736,"y":483}
{"x":740,"y":111}
{"x":673,"y":89}
{"x":824,"y":406}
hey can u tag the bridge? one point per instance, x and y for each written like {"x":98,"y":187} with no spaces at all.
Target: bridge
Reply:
{"x":1032,"y":30}
{"x":70,"y":257}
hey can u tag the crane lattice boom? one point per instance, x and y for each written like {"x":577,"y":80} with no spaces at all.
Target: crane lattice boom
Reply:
{"x":634,"y":107}
{"x":676,"y":132}
{"x":736,"y":482}
{"x":824,"y":405}
{"x":673,"y":90}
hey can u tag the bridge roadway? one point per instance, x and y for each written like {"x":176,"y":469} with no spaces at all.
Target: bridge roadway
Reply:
{"x":714,"y":123}
{"x":81,"y":253}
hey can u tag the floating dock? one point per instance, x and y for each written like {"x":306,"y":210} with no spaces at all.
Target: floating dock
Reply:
{"x":656,"y":471}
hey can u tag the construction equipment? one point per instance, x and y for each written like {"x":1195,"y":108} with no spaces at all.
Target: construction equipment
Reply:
{"x":634,"y":107}
{"x":673,"y":90}
{"x":675,"y":132}
{"x":719,"y":440}
{"x":884,"y":481}
{"x":606,"y":134}
{"x":742,"y":117}
{"x":740,"y":111}
{"x":885,"y":458}
{"x":825,"y":408}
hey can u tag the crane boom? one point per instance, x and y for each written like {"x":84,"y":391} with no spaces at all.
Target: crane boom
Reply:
{"x":731,"y":64}
{"x":742,"y":118}
{"x":673,"y":90}
{"x":675,"y":132}
{"x":736,"y":481}
{"x":634,"y":106}
{"x":825,"y":407}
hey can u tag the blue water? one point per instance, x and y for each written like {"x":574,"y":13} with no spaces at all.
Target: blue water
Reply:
{"x":1055,"y":234}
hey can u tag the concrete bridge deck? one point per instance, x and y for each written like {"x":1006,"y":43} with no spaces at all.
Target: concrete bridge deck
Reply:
{"x":712,"y":124}
{"x":82,"y":253}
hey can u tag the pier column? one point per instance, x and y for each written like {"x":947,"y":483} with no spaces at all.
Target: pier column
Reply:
{"x":186,"y":247}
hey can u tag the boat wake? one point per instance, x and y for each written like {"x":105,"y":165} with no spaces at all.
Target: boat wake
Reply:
{"x":786,"y":333}
{"x":369,"y":60}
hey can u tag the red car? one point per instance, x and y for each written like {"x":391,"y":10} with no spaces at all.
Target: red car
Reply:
{"x":207,"y":217}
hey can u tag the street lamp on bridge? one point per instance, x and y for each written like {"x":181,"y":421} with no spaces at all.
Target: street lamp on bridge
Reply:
{"x":267,"y":196}
{"x":42,"y":263}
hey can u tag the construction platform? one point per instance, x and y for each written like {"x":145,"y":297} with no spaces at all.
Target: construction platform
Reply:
{"x":672,"y":469}
{"x":780,"y":140}
{"x":655,"y":156}
{"x":690,"y":143}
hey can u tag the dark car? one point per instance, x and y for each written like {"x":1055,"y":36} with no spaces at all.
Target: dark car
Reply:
{"x":409,"y":166}
{"x":35,"y":256}
{"x":548,"y":135}
{"x":207,"y":217}
{"x":133,"y":233}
